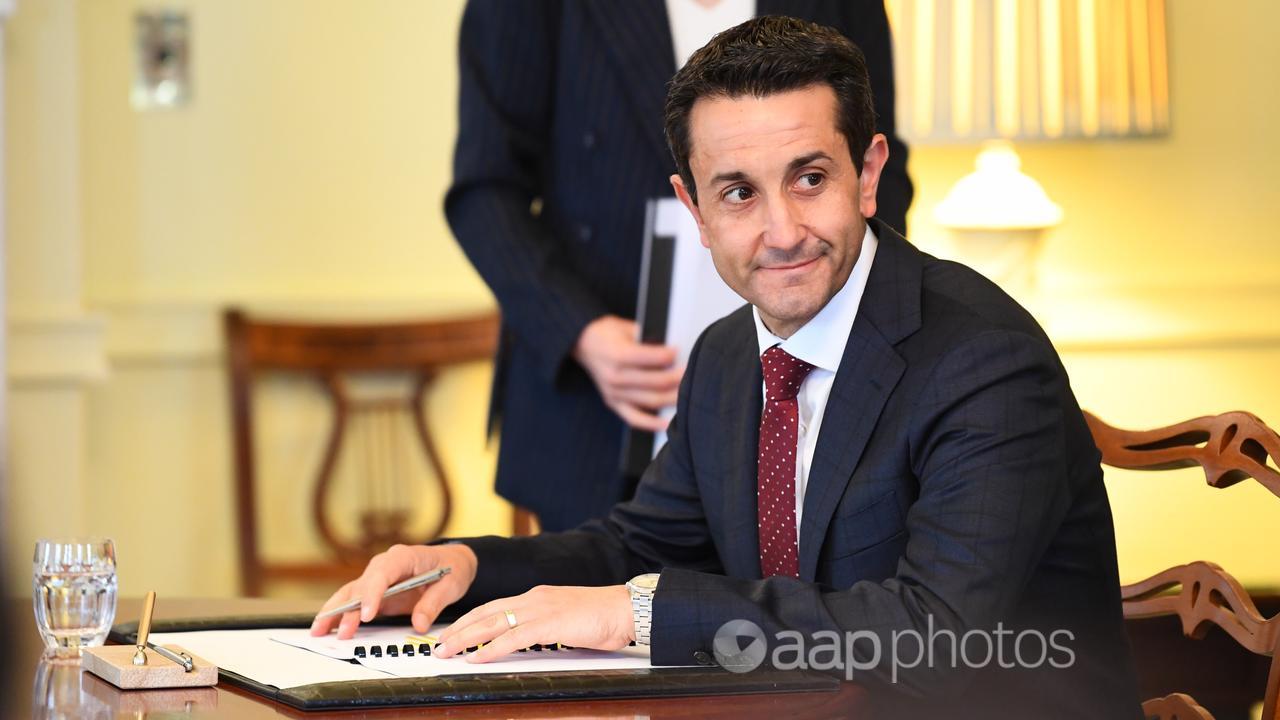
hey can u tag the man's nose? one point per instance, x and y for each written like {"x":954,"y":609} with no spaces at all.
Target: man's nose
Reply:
{"x":784,"y":228}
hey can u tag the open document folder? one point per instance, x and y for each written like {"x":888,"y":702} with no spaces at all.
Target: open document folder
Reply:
{"x":276,"y":657}
{"x":290,"y":657}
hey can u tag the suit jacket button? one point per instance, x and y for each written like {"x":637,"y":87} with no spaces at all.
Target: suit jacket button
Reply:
{"x":584,"y":233}
{"x":588,"y":139}
{"x":702,"y":658}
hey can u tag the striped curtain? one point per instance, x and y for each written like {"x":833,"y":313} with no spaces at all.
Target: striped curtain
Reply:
{"x":1029,"y":69}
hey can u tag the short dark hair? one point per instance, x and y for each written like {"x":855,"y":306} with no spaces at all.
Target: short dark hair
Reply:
{"x":768,"y":55}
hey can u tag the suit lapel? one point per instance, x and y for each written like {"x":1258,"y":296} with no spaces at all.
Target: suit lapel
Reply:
{"x":869,"y":371}
{"x":638,"y":36}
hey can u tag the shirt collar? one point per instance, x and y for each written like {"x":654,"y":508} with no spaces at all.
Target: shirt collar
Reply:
{"x":820,"y":342}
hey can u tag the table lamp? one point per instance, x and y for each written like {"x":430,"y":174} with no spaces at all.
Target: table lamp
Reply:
{"x":999,"y":71}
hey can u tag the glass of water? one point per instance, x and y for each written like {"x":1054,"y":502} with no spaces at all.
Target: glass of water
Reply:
{"x":74,"y":585}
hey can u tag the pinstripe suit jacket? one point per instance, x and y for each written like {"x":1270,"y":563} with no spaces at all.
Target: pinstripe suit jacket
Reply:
{"x":561,"y":105}
{"x":954,"y":486}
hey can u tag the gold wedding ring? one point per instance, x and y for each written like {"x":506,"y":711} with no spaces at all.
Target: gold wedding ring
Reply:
{"x":511,"y":618}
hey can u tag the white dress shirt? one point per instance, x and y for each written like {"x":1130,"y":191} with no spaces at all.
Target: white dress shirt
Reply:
{"x":820,"y":342}
{"x":694,"y":24}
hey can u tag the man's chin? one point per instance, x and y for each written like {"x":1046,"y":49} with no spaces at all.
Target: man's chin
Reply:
{"x":788,"y":315}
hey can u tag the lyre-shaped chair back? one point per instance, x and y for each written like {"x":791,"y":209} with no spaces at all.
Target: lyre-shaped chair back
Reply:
{"x":1230,"y":447}
{"x":381,"y":431}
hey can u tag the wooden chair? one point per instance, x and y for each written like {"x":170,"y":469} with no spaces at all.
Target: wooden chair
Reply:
{"x":331,"y":353}
{"x":1230,"y":447}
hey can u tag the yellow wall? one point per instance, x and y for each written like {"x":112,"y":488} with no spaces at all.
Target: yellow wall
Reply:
{"x":311,"y":163}
{"x":306,"y":177}
{"x":1197,"y":208}
{"x":1161,"y":287}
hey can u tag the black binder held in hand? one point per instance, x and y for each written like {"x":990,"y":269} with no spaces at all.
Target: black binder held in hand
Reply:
{"x":680,"y":295}
{"x":490,"y":687}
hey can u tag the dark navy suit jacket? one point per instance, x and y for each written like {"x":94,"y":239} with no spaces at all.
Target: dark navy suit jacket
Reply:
{"x":560,"y":144}
{"x":954,"y":487}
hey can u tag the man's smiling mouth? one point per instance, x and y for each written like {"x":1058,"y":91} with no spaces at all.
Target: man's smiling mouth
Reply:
{"x":793,"y":266}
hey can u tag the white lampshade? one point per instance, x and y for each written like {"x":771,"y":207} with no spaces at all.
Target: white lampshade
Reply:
{"x":970,"y":70}
{"x":995,"y":71}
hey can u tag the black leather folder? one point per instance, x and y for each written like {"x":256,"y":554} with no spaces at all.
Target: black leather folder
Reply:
{"x":490,"y":688}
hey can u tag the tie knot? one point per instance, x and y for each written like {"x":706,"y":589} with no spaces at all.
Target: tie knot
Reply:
{"x":783,"y":373}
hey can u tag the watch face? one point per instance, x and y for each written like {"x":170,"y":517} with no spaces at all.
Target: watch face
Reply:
{"x":645,"y":582}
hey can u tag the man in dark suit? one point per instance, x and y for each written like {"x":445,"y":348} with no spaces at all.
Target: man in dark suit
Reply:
{"x":881,"y":451}
{"x":560,"y":111}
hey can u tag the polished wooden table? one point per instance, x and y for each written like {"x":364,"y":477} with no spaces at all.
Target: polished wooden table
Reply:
{"x":58,"y":689}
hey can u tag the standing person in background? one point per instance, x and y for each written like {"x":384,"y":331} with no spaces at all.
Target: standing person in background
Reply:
{"x":560,"y":145}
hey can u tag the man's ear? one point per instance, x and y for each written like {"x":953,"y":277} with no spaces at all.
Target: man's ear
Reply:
{"x":677,"y":184}
{"x":873,"y":161}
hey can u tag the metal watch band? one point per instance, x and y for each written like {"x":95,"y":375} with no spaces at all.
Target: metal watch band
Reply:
{"x":642,"y":616}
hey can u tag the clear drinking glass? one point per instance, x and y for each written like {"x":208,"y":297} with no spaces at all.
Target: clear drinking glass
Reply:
{"x":74,"y":585}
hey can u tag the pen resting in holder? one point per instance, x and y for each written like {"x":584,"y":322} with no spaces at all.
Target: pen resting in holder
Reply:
{"x":114,"y":663}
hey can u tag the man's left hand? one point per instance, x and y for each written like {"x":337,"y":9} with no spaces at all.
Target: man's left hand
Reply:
{"x":584,"y":617}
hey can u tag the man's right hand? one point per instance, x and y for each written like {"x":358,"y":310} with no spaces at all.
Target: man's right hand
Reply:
{"x":402,"y":562}
{"x":634,"y":378}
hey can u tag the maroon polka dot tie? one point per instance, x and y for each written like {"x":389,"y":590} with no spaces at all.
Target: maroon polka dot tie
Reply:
{"x":776,"y":466}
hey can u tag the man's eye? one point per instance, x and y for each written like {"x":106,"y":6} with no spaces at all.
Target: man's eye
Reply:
{"x":811,"y":180}
{"x":739,"y":195}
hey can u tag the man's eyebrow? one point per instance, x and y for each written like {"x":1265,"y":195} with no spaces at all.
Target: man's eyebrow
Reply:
{"x":807,"y":160}
{"x":728,"y":177}
{"x":739,"y":176}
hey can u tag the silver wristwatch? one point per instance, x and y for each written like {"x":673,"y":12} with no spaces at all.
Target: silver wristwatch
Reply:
{"x":642,"y":588}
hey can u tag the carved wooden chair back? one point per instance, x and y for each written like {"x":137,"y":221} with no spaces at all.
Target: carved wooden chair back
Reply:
{"x":1230,"y":447}
{"x":371,"y":428}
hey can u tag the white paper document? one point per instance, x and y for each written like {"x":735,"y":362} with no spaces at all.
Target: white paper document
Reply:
{"x":290,"y":657}
{"x":419,"y":665}
{"x":253,"y":654}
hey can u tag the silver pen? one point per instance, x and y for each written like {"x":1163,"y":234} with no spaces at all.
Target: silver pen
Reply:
{"x":184,"y":660}
{"x":411,"y":583}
